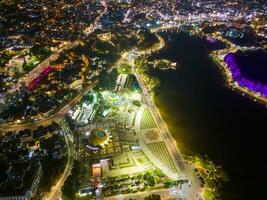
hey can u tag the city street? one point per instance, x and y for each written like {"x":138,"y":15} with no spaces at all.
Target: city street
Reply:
{"x":55,"y":192}
{"x":132,"y":100}
{"x":46,"y":120}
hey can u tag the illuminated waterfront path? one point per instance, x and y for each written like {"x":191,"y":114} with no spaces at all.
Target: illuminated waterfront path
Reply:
{"x":185,"y":170}
{"x":206,"y":116}
{"x":218,"y":57}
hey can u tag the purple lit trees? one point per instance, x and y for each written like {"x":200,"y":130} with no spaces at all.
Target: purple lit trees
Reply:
{"x":38,"y":79}
{"x":232,"y":64}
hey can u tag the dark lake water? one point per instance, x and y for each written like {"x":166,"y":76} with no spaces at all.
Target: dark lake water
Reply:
{"x":253,"y":65}
{"x":207,"y":117}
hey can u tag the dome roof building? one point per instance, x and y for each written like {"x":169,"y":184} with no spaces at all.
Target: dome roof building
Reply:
{"x":98,"y":138}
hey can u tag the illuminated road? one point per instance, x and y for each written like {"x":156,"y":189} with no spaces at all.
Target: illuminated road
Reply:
{"x":60,"y":48}
{"x":37,"y":70}
{"x":55,"y":192}
{"x":46,"y":120}
{"x":95,"y":24}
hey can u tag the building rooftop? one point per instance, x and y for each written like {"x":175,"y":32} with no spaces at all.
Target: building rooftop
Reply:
{"x":20,"y":176}
{"x":98,"y":138}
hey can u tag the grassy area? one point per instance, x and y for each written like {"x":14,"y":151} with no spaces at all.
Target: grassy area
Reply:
{"x":142,"y":160}
{"x":142,"y":66}
{"x":30,"y":64}
{"x":146,"y":180}
{"x":124,"y":69}
{"x":211,"y":175}
{"x":208,"y":195}
{"x":107,"y":81}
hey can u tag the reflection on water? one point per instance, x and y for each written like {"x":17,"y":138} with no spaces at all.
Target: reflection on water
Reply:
{"x":206,"y":117}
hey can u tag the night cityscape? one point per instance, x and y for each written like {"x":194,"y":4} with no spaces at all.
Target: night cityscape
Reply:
{"x":133,"y":99}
